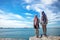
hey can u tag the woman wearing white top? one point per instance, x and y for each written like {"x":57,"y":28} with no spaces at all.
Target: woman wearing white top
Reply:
{"x":44,"y":22}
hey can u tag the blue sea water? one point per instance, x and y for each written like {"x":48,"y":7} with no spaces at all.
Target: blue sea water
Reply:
{"x":26,"y":32}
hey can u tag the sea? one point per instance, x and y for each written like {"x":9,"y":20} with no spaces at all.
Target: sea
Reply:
{"x":25,"y":33}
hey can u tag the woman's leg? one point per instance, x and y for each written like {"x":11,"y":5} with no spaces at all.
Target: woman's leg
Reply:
{"x":37,"y":33}
{"x":44,"y":29}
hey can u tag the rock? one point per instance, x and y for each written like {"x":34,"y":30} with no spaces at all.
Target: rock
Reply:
{"x":45,"y":38}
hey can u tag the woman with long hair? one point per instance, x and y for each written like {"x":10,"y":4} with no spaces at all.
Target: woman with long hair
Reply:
{"x":44,"y":22}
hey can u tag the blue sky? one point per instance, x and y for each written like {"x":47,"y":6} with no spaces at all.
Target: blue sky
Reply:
{"x":20,"y":13}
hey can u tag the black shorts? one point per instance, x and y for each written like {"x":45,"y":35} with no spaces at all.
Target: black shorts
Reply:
{"x":36,"y":27}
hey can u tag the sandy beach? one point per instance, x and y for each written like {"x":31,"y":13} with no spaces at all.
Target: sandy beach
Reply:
{"x":45,"y":38}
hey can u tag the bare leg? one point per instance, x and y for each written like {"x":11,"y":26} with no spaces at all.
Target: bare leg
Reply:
{"x":44,"y":29}
{"x":37,"y":33}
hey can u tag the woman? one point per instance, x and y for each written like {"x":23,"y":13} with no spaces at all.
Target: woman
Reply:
{"x":44,"y":23}
{"x":36,"y":25}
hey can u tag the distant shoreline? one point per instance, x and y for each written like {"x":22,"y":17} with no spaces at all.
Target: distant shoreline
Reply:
{"x":27,"y":28}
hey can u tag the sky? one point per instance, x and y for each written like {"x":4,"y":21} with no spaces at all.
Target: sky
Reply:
{"x":20,"y":13}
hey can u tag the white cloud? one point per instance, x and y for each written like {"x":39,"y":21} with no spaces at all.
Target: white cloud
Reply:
{"x":51,"y":23}
{"x":38,"y":7}
{"x":32,"y":1}
{"x":5,"y":18}
{"x":11,"y":20}
{"x":13,"y":24}
{"x":53,"y":18}
{"x":28,"y":7}
{"x":43,"y":6}
{"x":10,"y":16}
{"x":28,"y":1}
{"x":29,"y":22}
{"x":50,"y":14}
{"x":48,"y":1}
{"x":28,"y":14}
{"x":39,"y":3}
{"x":29,"y":17}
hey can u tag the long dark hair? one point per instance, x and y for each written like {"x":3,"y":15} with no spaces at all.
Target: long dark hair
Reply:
{"x":44,"y":16}
{"x":43,"y":13}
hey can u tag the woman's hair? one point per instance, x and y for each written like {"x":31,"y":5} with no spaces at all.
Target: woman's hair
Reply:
{"x":35,"y":15}
{"x":43,"y":13}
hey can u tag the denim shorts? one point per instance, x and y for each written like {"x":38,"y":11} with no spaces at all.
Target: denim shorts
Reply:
{"x":43,"y":23}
